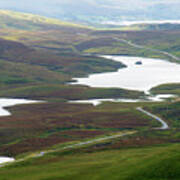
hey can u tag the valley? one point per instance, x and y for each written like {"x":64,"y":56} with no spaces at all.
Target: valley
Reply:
{"x":44,"y":59}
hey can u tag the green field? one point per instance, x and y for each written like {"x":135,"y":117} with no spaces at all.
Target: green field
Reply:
{"x":149,"y":163}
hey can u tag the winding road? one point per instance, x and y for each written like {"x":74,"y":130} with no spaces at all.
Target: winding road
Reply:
{"x":96,"y":140}
{"x":147,"y":48}
{"x":164,"y":124}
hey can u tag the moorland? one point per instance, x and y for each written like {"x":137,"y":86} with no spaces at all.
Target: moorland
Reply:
{"x":38,"y":58}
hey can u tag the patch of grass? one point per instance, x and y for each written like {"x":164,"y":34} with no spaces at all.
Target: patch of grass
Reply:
{"x":167,"y":89}
{"x":169,"y":111}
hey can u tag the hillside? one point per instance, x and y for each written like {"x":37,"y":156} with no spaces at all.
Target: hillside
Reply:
{"x":37,"y":74}
{"x":25,"y":21}
{"x":149,"y":163}
{"x":63,"y":67}
{"x":60,"y":139}
{"x":61,"y":37}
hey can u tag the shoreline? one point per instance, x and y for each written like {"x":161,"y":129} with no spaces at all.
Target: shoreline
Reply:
{"x":7,"y":102}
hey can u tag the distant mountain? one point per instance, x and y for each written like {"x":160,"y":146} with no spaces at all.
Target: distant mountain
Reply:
{"x":96,"y":11}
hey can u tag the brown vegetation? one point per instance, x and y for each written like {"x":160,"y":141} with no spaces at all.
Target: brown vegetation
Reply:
{"x":34,"y":127}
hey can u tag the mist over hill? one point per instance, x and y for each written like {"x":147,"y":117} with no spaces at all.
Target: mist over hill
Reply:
{"x":89,"y":11}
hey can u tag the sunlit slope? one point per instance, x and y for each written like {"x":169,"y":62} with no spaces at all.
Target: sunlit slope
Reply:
{"x":25,"y":21}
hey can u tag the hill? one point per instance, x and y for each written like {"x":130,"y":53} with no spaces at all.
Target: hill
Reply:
{"x":26,"y":21}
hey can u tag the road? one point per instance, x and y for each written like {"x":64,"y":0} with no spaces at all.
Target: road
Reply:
{"x":143,"y":47}
{"x":164,"y":124}
{"x":97,"y":140}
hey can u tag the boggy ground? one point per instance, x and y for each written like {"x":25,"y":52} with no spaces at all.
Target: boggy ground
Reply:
{"x":38,"y":126}
{"x":147,"y":155}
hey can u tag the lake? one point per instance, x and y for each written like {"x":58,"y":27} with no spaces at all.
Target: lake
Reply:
{"x":130,"y":23}
{"x":150,"y":98}
{"x":151,"y":73}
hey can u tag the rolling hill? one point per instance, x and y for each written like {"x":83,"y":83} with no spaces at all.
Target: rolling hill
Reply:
{"x":26,"y":21}
{"x":38,"y":58}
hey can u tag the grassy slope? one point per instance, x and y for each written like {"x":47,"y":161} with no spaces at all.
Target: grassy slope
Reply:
{"x":161,"y":40}
{"x":30,"y":21}
{"x":25,"y":70}
{"x":150,"y":163}
{"x":167,"y":88}
{"x":30,"y":73}
{"x":66,"y":92}
{"x":40,"y":31}
{"x":169,"y":111}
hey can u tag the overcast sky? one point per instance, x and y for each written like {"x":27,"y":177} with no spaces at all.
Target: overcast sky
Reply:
{"x":107,"y":3}
{"x":57,"y":8}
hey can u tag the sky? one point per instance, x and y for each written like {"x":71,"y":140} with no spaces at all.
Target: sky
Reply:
{"x":101,"y":3}
{"x":93,"y":2}
{"x":166,"y":9}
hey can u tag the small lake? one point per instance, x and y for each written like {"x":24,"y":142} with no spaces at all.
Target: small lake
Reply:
{"x":150,"y":98}
{"x":4,"y":102}
{"x":142,"y":77}
{"x":130,"y":23}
